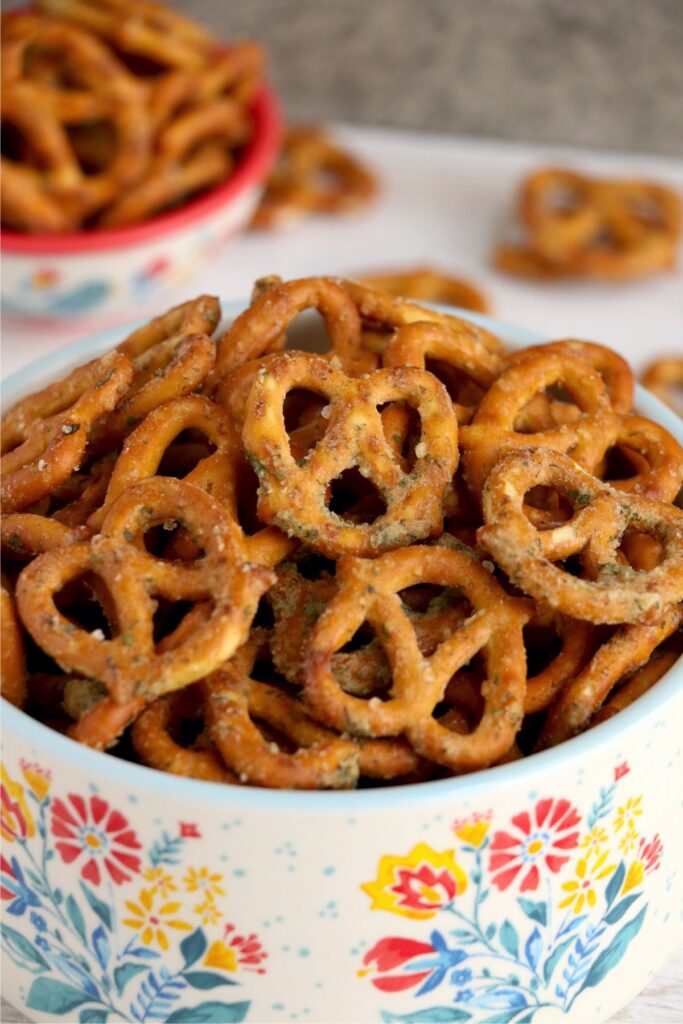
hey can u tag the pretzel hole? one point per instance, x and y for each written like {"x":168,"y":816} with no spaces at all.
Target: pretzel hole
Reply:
{"x":307,"y":333}
{"x":355,"y":498}
{"x":620,"y":463}
{"x":168,"y":616}
{"x":305,"y":420}
{"x":459,"y":385}
{"x":183,"y":455}
{"x":94,"y":144}
{"x":311,"y":565}
{"x":546,"y":508}
{"x":641,"y":551}
{"x":361,"y":666}
{"x":79,"y":602}
{"x":172,"y":542}
{"x":246,"y":496}
{"x":542,"y":645}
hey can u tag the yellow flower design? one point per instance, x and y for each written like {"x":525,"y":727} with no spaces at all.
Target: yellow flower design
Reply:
{"x":628,"y":840}
{"x":151,"y":921}
{"x":201,"y":881}
{"x":221,"y":955}
{"x":37,"y":778}
{"x":627,"y":812}
{"x":16,"y":821}
{"x":473,"y":832}
{"x":634,"y":876}
{"x":162,"y":882}
{"x":208,"y":910}
{"x":581,"y":889}
{"x":593,"y":841}
{"x":417,"y":885}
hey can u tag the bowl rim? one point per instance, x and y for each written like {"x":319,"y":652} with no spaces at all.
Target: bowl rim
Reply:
{"x":612,"y":733}
{"x":250,"y":170}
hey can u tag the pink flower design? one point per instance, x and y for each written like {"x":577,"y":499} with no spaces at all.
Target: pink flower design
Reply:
{"x":539,"y":839}
{"x":392,"y":953}
{"x":650,"y":853}
{"x":90,"y":827}
{"x":621,"y":770}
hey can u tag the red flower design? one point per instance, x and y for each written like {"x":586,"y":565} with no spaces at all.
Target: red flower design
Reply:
{"x":393,"y":952}
{"x":91,"y":828}
{"x":650,"y":853}
{"x":538,"y":839}
{"x":621,"y":770}
{"x":6,"y":868}
{"x":189,"y":830}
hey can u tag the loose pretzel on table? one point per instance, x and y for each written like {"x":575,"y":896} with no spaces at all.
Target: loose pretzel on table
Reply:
{"x":428,"y":285}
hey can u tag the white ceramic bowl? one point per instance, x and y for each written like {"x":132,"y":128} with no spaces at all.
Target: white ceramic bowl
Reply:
{"x":99,"y":273}
{"x":547,"y":890}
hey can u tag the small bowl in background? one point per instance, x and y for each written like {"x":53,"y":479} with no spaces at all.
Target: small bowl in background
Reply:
{"x":102,"y":272}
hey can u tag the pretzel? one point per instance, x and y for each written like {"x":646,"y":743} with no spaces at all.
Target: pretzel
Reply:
{"x":581,"y":226}
{"x":12,"y":654}
{"x":413,"y":344}
{"x":664,"y":378}
{"x":50,"y":447}
{"x":154,"y":742}
{"x":613,"y":592}
{"x":128,"y":664}
{"x":628,"y":649}
{"x":217,"y":474}
{"x":368,"y":590}
{"x":261,"y":328}
{"x":293,"y":497}
{"x":639,"y":683}
{"x":577,"y":642}
{"x":98,"y":87}
{"x":312,"y":175}
{"x":139,"y":27}
{"x":493,"y":429}
{"x":25,"y":534}
{"x":428,"y":285}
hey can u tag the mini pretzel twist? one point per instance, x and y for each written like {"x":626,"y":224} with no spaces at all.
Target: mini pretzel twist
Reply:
{"x":612,"y":592}
{"x":664,"y":378}
{"x":581,"y":226}
{"x":129,"y":664}
{"x":428,"y":285}
{"x":369,"y":590}
{"x":293,"y":496}
{"x":50,"y":447}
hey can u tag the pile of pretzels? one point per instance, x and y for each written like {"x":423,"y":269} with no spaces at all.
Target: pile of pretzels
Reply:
{"x":405,"y":556}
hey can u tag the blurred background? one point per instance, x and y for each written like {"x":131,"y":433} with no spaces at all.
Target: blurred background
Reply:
{"x":607,"y":73}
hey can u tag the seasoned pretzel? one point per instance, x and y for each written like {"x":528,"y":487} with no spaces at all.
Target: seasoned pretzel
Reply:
{"x":664,"y":378}
{"x":629,"y":648}
{"x":493,"y":430}
{"x":613,"y":592}
{"x":428,"y":285}
{"x":217,"y":474}
{"x":581,"y":226}
{"x":128,"y":664}
{"x":293,"y":496}
{"x":368,"y":590}
{"x":639,"y":683}
{"x":12,"y":653}
{"x":261,"y":328}
{"x":25,"y":534}
{"x":50,"y":448}
{"x":313,"y":175}
{"x":413,"y":344}
{"x":155,"y":745}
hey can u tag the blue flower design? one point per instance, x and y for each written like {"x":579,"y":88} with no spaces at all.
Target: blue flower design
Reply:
{"x":439,"y":965}
{"x":461,"y":977}
{"x":42,"y":942}
{"x":16,"y":884}
{"x":38,"y":922}
{"x":465,"y":995}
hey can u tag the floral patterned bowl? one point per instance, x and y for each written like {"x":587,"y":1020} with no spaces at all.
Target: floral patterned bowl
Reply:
{"x":548,"y":889}
{"x":100,"y":273}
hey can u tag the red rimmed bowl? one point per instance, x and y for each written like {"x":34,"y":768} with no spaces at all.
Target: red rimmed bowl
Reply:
{"x":100,"y":273}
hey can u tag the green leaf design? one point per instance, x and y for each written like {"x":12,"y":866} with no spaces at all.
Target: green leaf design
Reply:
{"x":93,"y":1016}
{"x":124,"y":973}
{"x":614,"y":884}
{"x":554,"y":958}
{"x":22,"y":952}
{"x":210,"y":1013}
{"x":611,"y":956}
{"x":206,"y":979}
{"x":75,"y":916}
{"x":193,"y":947}
{"x":535,"y":910}
{"x":618,"y":911}
{"x":437,"y":1015}
{"x":509,"y":939}
{"x":51,"y":996}
{"x":100,"y":908}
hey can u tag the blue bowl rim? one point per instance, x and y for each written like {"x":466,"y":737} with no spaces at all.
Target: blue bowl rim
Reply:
{"x":571,"y":753}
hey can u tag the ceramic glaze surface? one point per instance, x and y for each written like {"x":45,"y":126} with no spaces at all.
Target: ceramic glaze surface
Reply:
{"x":543,"y":890}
